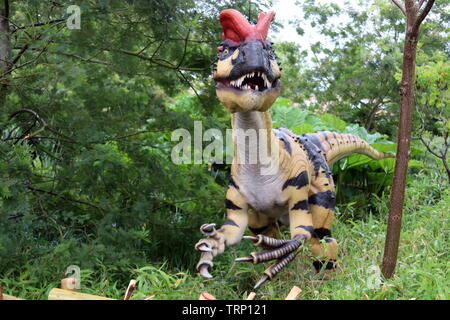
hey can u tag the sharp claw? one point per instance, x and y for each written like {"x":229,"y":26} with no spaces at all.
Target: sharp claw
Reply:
{"x":263,"y":279}
{"x":254,"y":239}
{"x":208,"y":229}
{"x":244,"y":259}
{"x":203,"y":270}
{"x":204,"y":248}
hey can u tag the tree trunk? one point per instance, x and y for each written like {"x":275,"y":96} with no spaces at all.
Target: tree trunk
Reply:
{"x":447,"y":168}
{"x":5,"y":49}
{"x":413,"y":20}
{"x":369,"y":122}
{"x":401,"y":164}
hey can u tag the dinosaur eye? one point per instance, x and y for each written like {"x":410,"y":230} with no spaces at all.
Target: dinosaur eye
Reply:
{"x":271,"y":53}
{"x":225,"y":51}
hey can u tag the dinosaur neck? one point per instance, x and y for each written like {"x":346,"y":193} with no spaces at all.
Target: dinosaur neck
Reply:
{"x":253,"y":138}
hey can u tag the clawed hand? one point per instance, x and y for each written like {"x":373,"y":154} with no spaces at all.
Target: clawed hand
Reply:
{"x":282,"y":250}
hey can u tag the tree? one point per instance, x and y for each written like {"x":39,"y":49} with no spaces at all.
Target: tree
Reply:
{"x":415,"y":12}
{"x":433,"y":110}
{"x":85,"y":129}
{"x":351,"y":72}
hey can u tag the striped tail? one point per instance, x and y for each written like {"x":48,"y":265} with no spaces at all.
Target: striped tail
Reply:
{"x":339,"y":145}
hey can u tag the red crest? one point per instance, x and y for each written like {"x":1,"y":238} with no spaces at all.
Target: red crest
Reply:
{"x":237,"y":29}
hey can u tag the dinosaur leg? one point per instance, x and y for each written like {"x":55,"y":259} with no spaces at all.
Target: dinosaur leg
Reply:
{"x":284,"y":251}
{"x":321,"y":202}
{"x":262,"y":224}
{"x":229,"y":234}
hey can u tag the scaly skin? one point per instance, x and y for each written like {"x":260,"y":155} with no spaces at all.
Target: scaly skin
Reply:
{"x":298,"y":190}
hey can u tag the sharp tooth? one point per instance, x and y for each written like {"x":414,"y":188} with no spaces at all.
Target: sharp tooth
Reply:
{"x":256,"y":88}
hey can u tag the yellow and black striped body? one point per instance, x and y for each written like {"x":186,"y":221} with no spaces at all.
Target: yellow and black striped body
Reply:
{"x":301,"y":194}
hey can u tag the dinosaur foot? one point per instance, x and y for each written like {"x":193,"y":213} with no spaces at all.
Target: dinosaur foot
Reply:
{"x":284,"y":251}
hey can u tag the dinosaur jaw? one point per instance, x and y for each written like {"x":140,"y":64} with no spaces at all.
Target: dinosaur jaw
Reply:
{"x":253,"y":91}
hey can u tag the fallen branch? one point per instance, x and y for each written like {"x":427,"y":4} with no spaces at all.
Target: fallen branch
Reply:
{"x":130,"y":290}
{"x":61,"y":294}
{"x":295,"y":291}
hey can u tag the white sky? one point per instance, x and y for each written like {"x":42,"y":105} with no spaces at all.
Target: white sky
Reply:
{"x":286,"y":10}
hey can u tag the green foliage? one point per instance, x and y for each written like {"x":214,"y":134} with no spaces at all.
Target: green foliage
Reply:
{"x":420,"y":274}
{"x":433,"y":106}
{"x":95,"y":186}
{"x":350,"y":71}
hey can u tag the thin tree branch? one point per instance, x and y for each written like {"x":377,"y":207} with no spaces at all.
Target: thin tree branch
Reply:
{"x":400,"y":5}
{"x":36,"y":117}
{"x":82,"y":58}
{"x":20,"y":53}
{"x":192,"y":87}
{"x":33,"y":113}
{"x":32,"y":188}
{"x":38,"y":24}
{"x":424,"y":13}
{"x":13,"y":68}
{"x":124,"y":136}
{"x":185,"y":49}
{"x":428,"y":147}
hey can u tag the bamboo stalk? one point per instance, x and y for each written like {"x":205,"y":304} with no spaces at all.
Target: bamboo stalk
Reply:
{"x":61,"y":294}
{"x":295,"y":291}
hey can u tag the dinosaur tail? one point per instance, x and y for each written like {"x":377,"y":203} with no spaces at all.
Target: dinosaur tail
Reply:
{"x":339,"y":145}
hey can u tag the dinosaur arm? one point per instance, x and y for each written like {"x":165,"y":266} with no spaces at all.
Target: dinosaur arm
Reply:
{"x":229,"y":234}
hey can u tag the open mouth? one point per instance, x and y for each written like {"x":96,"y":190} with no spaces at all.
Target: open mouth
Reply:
{"x":256,"y":81}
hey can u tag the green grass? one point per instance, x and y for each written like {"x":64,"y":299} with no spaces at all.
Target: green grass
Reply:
{"x":421,"y":271}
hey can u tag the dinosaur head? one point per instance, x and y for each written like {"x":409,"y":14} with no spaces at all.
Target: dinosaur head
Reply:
{"x":247,"y":74}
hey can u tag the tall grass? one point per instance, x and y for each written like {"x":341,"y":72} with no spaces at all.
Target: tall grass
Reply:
{"x":421,"y":273}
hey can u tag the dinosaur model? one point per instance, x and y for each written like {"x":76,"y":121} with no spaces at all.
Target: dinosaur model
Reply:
{"x":297,"y":189}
